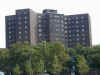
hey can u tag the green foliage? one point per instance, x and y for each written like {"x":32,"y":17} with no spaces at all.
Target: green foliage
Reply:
{"x":38,"y":64}
{"x":4,"y":59}
{"x":82,"y":64}
{"x":49,"y":57}
{"x":79,"y":54}
{"x":17,"y":70}
{"x":28,"y":67}
{"x":94,"y":61}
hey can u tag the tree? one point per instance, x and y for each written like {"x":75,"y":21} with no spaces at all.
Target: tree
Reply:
{"x":4,"y":60}
{"x":20,"y":53}
{"x":60,"y":54}
{"x":81,"y":64}
{"x":28,"y":67}
{"x":53,"y":56}
{"x":79,"y":59}
{"x":94,"y":61}
{"x":17,"y":70}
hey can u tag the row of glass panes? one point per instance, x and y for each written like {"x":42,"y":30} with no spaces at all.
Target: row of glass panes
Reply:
{"x":75,"y":17}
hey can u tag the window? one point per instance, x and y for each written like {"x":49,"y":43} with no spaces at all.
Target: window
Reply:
{"x":65,"y":36}
{"x":69,"y":18}
{"x":26,"y":37}
{"x":19,"y":37}
{"x":72,"y":22}
{"x":51,"y":20}
{"x":9,"y":23}
{"x":19,"y":32}
{"x":62,"y":21}
{"x":39,"y":25}
{"x":9,"y":19}
{"x":62,"y":35}
{"x":10,"y":37}
{"x":57,"y":25}
{"x":73,"y":34}
{"x":40,"y":34}
{"x":83,"y":38}
{"x":73,"y":17}
{"x":25,"y":22}
{"x":39,"y":16}
{"x":19,"y":23}
{"x":83,"y":30}
{"x":65,"y":26}
{"x":84,"y":43}
{"x":58,"y":21}
{"x":57,"y":35}
{"x":25,"y":17}
{"x":77,"y":18}
{"x":55,"y":16}
{"x":77,"y":22}
{"x":69,"y":22}
{"x":9,"y":32}
{"x":51,"y":15}
{"x":19,"y":27}
{"x":70,"y":26}
{"x":65,"y":18}
{"x":65,"y":22}
{"x":55,"y":20}
{"x":77,"y":30}
{"x":77,"y":39}
{"x":83,"y":34}
{"x":57,"y":38}
{"x":62,"y":25}
{"x":77,"y":26}
{"x":62,"y":16}
{"x":83,"y":25}
{"x":73,"y":26}
{"x":65,"y":31}
{"x":24,"y":12}
{"x":57,"y":29}
{"x":77,"y":34}
{"x":26,"y":26}
{"x":39,"y":21}
{"x":69,"y":31}
{"x":19,"y":18}
{"x":82,"y":17}
{"x":62,"y":30}
{"x":70,"y":40}
{"x":40,"y":30}
{"x":26,"y":31}
{"x":9,"y":28}
{"x":69,"y":35}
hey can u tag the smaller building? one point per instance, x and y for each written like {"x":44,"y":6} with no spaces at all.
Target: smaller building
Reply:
{"x":78,"y":30}
{"x":21,"y":27}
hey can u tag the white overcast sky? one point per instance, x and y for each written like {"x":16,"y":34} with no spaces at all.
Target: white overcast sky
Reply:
{"x":68,"y":7}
